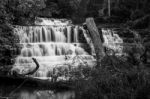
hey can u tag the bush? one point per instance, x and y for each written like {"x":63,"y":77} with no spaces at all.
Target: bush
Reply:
{"x":14,"y":12}
{"x":116,"y":79}
{"x":8,"y":45}
{"x":106,"y":84}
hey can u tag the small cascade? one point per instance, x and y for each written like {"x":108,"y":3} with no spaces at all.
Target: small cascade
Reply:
{"x":112,"y":41}
{"x":51,"y":42}
{"x":52,"y":22}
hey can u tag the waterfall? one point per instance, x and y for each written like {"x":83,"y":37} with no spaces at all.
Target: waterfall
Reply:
{"x":49,"y":41}
{"x":113,"y":41}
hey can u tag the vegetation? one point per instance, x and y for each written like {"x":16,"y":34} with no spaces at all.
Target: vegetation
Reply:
{"x":14,"y":12}
{"x":111,"y":84}
{"x":117,"y":77}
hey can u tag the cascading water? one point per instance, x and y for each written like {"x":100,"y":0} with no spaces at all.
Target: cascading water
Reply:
{"x":112,"y":41}
{"x":57,"y":41}
{"x":50,"y":41}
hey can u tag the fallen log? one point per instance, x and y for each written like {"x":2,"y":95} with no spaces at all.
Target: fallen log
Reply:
{"x":14,"y":73}
{"x":33,"y":71}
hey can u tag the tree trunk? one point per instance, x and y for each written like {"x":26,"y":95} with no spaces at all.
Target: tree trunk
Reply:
{"x":95,"y":36}
{"x":109,"y":9}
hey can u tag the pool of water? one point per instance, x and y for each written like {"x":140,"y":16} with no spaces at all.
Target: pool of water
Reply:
{"x":13,"y":92}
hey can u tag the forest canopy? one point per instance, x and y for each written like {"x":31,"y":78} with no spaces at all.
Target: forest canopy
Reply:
{"x":14,"y":12}
{"x":25,"y":11}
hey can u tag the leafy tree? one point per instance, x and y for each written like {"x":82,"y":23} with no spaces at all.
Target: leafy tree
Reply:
{"x":15,"y":12}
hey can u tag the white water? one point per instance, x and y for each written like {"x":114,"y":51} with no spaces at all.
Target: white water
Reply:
{"x":112,"y":41}
{"x":56,"y":43}
{"x":50,"y":42}
{"x":53,"y":22}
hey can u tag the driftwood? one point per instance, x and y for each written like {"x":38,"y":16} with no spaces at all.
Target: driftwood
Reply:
{"x":20,"y":80}
{"x":30,"y":72}
{"x":96,"y":39}
{"x":37,"y":67}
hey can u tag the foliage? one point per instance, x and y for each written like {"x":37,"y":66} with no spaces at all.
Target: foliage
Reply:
{"x":109,"y":84}
{"x":77,"y":10}
{"x":125,"y":10}
{"x":118,"y":78}
{"x":69,"y":72}
{"x":8,"y":45}
{"x":14,"y":12}
{"x":114,"y":81}
{"x":51,"y":10}
{"x":141,"y":23}
{"x":66,"y":10}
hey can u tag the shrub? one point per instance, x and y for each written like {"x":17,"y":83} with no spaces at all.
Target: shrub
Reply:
{"x":109,"y":84}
